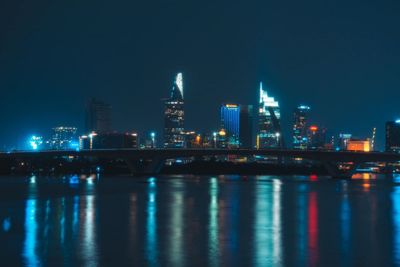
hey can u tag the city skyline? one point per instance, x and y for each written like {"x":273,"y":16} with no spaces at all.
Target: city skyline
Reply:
{"x":268,"y":126}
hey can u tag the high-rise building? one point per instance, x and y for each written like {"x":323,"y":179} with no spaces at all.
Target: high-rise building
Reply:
{"x":393,"y":136}
{"x":316,"y":137}
{"x":300,"y":139}
{"x":174,"y":116}
{"x":230,"y":122}
{"x":269,"y":130}
{"x":98,"y":117}
{"x":246,"y":126}
{"x":63,"y":138}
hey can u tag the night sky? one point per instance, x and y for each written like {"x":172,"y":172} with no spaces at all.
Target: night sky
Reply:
{"x":340,"y":57}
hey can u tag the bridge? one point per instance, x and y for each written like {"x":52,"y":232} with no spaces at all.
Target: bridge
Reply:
{"x":155,"y":158}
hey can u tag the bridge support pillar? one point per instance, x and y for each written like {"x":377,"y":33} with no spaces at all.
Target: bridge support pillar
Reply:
{"x":132,"y":166}
{"x":138,"y":166}
{"x":334,"y":171}
{"x":155,"y":166}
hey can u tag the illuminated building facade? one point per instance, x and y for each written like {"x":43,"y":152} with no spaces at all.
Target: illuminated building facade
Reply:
{"x":174,"y":136}
{"x":359,"y":145}
{"x":98,"y":117}
{"x":246,"y":126}
{"x":63,"y":138}
{"x":300,"y":138}
{"x":269,"y":132}
{"x":393,"y":136}
{"x":230,"y":122}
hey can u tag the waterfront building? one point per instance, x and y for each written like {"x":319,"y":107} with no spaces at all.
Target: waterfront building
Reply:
{"x":193,"y":140}
{"x":246,"y":126}
{"x":316,"y":137}
{"x":174,"y":136}
{"x":98,"y":117}
{"x":109,"y":141}
{"x":269,"y":130}
{"x":343,"y":141}
{"x":393,"y":136}
{"x":63,"y":138}
{"x":300,"y":138}
{"x":363,"y":145}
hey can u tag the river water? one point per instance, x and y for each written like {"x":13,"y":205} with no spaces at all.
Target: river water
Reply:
{"x":199,"y":221}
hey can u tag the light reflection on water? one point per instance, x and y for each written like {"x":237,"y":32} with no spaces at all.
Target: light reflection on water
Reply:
{"x":213,"y":223}
{"x":202,"y":221}
{"x":30,"y":252}
{"x":396,"y":218}
{"x":151,"y":238}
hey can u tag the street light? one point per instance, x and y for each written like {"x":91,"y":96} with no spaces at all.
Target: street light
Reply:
{"x":215,"y":139}
{"x":277,"y":137}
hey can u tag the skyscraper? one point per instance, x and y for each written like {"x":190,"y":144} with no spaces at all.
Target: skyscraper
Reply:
{"x":174,"y":136}
{"x":246,"y":126}
{"x":98,"y":117}
{"x":300,"y":140}
{"x":269,"y":130}
{"x":393,"y":136}
{"x":230,"y":122}
{"x":316,"y":137}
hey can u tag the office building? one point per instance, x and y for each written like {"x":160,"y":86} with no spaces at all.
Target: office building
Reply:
{"x":174,"y":116}
{"x":230,"y":122}
{"x":269,"y":129}
{"x":360,"y":145}
{"x":343,"y":141}
{"x":300,"y":138}
{"x":316,"y":137}
{"x":98,"y":117}
{"x":63,"y":138}
{"x":246,"y":126}
{"x":393,"y":136}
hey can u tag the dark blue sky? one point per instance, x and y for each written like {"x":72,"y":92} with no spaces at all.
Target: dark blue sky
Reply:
{"x":340,"y":57}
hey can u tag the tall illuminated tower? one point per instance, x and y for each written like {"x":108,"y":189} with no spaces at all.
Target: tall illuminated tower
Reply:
{"x":230,"y":122}
{"x":174,"y":115}
{"x":269,"y":130}
{"x":300,"y":140}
